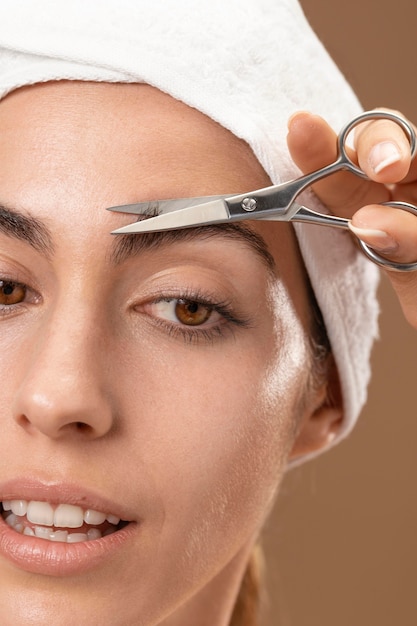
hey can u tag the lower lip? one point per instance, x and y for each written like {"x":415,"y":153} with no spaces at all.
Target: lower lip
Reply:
{"x":40,"y":556}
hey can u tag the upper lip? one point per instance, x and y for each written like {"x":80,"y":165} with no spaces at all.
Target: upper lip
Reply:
{"x":56,"y":492}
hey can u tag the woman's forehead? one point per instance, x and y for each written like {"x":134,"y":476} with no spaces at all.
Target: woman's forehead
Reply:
{"x":129,"y":111}
{"x":131,"y":136}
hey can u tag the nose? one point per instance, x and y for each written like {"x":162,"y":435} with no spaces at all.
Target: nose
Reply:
{"x":63,"y":391}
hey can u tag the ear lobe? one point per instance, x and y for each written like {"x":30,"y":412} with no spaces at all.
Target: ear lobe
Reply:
{"x":323,"y":416}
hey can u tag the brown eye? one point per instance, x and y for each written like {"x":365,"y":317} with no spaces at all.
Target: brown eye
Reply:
{"x":11,"y":293}
{"x":192,"y":313}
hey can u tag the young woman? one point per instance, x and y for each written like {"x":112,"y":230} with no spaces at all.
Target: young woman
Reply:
{"x":156,"y":388}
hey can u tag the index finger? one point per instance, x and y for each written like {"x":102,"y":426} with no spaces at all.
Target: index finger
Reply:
{"x":313,"y":144}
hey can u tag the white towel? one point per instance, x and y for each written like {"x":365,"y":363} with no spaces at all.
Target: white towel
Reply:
{"x":248,"y":64}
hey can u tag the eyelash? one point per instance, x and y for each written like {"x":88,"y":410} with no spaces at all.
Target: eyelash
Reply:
{"x":199,"y":333}
{"x":189,"y":333}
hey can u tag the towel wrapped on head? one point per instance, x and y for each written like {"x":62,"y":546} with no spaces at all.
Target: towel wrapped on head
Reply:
{"x":249,"y":65}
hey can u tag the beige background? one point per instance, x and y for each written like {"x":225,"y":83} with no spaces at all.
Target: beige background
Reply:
{"x":342,"y":542}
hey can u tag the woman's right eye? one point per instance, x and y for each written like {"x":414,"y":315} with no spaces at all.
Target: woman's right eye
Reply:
{"x":11,"y":293}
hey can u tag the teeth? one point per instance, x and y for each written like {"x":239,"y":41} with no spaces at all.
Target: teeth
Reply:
{"x":42,"y":532}
{"x":11,"y":520}
{"x":76,"y":537}
{"x":58,"y":535}
{"x":68,"y":516}
{"x":63,"y":536}
{"x":40,"y":513}
{"x":18,"y":507}
{"x":95,"y":518}
{"x":93,"y":533}
{"x":64,"y":515}
{"x":45,"y":519}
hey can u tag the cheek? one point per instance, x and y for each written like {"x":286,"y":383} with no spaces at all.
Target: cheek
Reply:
{"x":218,"y":425}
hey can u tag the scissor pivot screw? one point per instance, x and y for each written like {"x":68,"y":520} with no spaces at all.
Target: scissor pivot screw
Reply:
{"x":249,"y":204}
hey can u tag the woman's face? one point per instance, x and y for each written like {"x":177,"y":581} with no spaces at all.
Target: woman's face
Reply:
{"x":156,"y":379}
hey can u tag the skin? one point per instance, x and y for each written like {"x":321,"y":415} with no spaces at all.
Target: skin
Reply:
{"x":189,"y":429}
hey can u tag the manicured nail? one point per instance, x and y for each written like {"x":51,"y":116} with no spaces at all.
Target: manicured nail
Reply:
{"x":382,"y":155}
{"x":295,"y":115}
{"x":378,"y":239}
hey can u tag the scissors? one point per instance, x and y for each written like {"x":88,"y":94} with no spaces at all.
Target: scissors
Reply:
{"x":276,"y":202}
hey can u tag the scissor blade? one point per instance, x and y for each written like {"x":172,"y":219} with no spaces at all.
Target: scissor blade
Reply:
{"x":196,"y":215}
{"x":158,"y":207}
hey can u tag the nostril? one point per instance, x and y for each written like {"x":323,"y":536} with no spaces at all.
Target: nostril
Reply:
{"x":23,"y":421}
{"x":82,"y":427}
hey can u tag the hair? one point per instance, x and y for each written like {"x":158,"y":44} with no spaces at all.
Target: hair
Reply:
{"x":248,"y":605}
{"x":247,"y":608}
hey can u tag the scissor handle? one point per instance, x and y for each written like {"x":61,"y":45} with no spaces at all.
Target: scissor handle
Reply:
{"x":380,"y":260}
{"x":372,"y":115}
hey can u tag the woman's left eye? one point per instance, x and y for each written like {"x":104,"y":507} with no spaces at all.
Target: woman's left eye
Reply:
{"x":183,"y":311}
{"x":194,"y":318}
{"x":11,"y":293}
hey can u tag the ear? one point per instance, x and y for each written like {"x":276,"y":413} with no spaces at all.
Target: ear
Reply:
{"x":322,"y":416}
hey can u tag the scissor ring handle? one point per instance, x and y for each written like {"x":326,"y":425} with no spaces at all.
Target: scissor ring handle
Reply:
{"x":380,"y":260}
{"x":373,"y":115}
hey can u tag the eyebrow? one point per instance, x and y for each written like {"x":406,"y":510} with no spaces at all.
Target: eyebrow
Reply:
{"x":33,"y":231}
{"x":127,"y":246}
{"x":27,"y":229}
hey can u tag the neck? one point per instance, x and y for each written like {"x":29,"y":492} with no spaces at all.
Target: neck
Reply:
{"x":213,"y":604}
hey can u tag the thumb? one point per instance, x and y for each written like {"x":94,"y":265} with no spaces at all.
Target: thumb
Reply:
{"x":392,"y":233}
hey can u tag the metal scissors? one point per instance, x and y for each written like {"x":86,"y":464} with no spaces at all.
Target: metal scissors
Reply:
{"x":276,"y":202}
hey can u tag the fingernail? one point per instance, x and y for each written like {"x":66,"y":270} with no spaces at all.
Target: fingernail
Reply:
{"x":378,"y":239}
{"x":382,"y":155}
{"x":294,"y":116}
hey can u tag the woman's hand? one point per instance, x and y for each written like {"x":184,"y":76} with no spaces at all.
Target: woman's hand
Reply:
{"x":383,"y":152}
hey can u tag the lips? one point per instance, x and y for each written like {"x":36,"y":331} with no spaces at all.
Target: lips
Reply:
{"x":61,"y":529}
{"x":54,"y":522}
